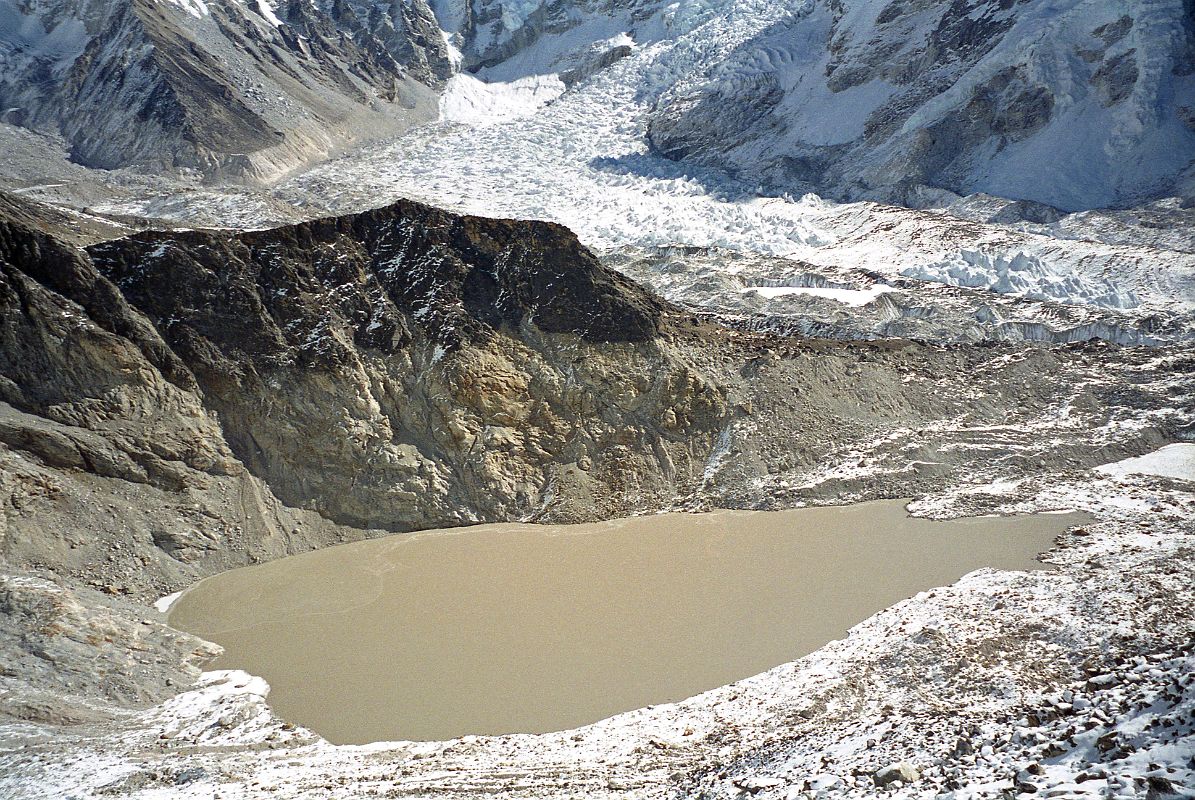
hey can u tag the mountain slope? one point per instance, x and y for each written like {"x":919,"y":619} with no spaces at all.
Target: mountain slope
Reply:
{"x":382,"y":368}
{"x":232,"y":90}
{"x":1077,"y":105}
{"x":1080,"y":104}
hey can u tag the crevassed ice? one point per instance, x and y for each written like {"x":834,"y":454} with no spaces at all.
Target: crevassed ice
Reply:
{"x":1024,"y":274}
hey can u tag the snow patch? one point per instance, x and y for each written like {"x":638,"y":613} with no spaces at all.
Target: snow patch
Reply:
{"x":196,"y":8}
{"x":1171,"y":461}
{"x":163,"y":604}
{"x":267,"y":12}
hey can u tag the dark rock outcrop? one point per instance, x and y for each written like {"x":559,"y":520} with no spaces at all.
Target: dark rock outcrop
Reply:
{"x":456,"y":278}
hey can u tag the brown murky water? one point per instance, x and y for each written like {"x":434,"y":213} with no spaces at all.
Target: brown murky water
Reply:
{"x":526,"y":628}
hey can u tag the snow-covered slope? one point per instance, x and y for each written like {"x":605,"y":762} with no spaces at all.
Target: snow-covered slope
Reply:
{"x":1078,"y":104}
{"x":519,"y":140}
{"x":1075,"y":103}
{"x":558,"y":113}
{"x":477,"y":102}
{"x":584,"y":160}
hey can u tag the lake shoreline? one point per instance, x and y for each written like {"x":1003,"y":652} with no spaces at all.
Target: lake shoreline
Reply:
{"x":979,"y":660}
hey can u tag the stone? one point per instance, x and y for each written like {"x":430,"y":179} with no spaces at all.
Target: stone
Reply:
{"x":898,"y":771}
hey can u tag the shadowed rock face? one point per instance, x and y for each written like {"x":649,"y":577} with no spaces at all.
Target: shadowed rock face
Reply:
{"x":382,"y":274}
{"x":407,"y":32}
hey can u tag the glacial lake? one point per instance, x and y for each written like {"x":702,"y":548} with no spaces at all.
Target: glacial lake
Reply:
{"x":524,"y":628}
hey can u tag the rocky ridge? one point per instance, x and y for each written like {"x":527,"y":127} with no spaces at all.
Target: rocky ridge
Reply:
{"x":398,"y":369}
{"x":430,"y":342}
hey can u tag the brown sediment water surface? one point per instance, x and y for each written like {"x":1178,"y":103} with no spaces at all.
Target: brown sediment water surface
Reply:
{"x":533,"y":628}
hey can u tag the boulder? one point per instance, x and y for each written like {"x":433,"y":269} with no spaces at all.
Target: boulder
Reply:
{"x":898,"y":771}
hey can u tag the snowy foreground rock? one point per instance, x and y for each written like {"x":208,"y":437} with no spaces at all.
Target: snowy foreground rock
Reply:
{"x":902,"y":772}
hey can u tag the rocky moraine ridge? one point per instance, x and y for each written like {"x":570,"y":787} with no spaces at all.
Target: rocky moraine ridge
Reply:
{"x":179,"y":403}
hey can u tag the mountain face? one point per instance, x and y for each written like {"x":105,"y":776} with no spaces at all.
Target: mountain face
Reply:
{"x":233,"y":90}
{"x":405,"y":30}
{"x":1077,"y":105}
